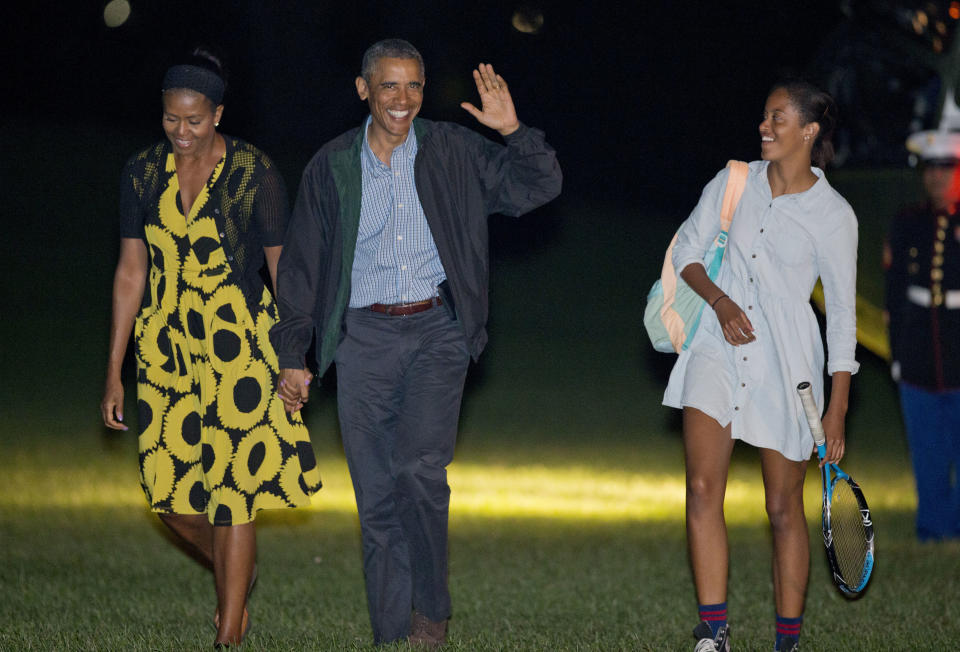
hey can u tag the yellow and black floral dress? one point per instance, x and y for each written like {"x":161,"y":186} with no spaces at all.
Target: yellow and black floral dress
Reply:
{"x":214,"y":436}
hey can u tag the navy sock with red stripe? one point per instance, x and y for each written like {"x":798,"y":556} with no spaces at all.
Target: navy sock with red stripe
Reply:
{"x":787,"y":627}
{"x":715,"y":615}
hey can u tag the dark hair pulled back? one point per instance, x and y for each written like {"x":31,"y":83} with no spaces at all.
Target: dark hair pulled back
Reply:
{"x":200,"y":71}
{"x":205,"y":58}
{"x":813,"y":105}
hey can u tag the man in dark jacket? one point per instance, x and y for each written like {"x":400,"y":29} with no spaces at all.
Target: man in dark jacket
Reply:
{"x":385,"y":263}
{"x":922,"y":257}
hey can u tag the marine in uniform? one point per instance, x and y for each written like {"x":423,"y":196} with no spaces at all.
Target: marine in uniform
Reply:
{"x":922,"y":261}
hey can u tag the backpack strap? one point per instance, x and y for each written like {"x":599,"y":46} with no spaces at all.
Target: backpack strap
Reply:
{"x":672,"y":321}
{"x":731,"y":196}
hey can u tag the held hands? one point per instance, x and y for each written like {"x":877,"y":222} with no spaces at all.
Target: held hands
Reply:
{"x":293,"y":387}
{"x":737,"y":328}
{"x":497,"y":110}
{"x":111,"y":407}
{"x":834,"y":429}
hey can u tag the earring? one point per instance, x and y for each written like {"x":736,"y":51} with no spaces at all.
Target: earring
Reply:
{"x":216,"y":124}
{"x":806,"y":138}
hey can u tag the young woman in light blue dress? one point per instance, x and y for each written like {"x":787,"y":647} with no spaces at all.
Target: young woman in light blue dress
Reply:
{"x":758,"y":340}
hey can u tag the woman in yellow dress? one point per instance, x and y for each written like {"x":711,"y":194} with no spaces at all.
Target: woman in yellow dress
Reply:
{"x":200,"y":212}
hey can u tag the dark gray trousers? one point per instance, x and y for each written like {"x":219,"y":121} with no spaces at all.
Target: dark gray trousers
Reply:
{"x":399,"y":388}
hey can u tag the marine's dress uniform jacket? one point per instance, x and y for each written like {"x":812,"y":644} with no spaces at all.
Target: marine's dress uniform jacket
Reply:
{"x":923,"y":296}
{"x":461,"y":178}
{"x":777,"y":250}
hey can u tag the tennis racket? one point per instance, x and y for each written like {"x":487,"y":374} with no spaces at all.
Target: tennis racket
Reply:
{"x":847,"y":526}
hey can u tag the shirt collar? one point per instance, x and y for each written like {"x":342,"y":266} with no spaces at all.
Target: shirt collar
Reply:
{"x":407,"y":149}
{"x":809,"y":194}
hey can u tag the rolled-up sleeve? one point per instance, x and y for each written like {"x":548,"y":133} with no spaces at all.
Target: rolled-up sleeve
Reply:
{"x":837,"y":261}
{"x":699,"y":230}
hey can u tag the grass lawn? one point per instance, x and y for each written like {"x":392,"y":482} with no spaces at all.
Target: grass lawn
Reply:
{"x":581,"y":547}
{"x":566,"y":525}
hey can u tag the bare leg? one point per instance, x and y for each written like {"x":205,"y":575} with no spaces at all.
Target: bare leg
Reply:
{"x":234,"y":553}
{"x":783,"y":488}
{"x":197,"y":533}
{"x":707,"y":447}
{"x":194,"y":530}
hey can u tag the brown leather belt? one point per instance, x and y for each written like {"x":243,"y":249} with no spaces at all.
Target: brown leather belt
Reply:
{"x":404,"y":309}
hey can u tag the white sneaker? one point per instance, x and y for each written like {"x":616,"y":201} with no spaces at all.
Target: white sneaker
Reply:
{"x":707,"y":642}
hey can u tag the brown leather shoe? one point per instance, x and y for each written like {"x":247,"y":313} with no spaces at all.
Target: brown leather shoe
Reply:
{"x":426,"y":633}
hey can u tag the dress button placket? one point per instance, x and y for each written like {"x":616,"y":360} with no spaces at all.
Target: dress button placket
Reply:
{"x":743,"y":360}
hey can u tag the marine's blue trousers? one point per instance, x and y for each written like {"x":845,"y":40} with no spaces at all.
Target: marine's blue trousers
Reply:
{"x":932,"y":421}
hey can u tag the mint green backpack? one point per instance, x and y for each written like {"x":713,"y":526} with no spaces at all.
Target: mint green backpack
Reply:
{"x":673,"y":310}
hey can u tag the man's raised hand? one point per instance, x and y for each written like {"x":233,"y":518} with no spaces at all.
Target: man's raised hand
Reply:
{"x":497,"y":110}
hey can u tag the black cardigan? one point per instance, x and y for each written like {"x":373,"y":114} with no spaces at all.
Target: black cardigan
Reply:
{"x":248,"y":203}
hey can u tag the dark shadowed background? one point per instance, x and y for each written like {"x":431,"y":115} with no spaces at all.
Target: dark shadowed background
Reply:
{"x":644,"y":102}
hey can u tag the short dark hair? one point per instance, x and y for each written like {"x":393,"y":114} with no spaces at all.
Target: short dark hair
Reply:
{"x":390,"y":48}
{"x":813,"y":105}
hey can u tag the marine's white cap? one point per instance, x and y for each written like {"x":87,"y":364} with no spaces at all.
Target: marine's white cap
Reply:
{"x":935,"y":146}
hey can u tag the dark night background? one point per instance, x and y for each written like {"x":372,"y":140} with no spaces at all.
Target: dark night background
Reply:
{"x":643,"y":102}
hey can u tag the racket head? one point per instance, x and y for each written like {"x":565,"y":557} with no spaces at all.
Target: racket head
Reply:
{"x":846,"y":522}
{"x":847,"y":533}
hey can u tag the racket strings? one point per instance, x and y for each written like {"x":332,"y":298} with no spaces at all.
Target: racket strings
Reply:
{"x":849,"y":534}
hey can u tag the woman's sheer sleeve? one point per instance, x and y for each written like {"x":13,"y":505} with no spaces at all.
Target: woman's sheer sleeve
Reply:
{"x":132,"y":209}
{"x":271,"y":210}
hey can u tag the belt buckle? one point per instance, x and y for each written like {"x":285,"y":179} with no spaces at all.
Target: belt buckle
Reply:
{"x":400,"y":309}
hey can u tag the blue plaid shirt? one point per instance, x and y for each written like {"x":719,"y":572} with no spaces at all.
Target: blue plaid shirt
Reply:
{"x":396,"y":259}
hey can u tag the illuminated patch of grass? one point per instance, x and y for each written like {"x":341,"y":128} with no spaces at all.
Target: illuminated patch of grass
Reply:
{"x":554,"y":555}
{"x":586,"y":491}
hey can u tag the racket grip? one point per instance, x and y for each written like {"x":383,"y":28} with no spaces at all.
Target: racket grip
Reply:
{"x":813,"y":415}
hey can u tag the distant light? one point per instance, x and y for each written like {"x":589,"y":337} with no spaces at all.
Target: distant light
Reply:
{"x":955,"y":10}
{"x":116,"y":13}
{"x":527,"y":20}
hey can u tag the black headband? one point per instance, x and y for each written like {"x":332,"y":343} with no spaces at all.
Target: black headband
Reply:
{"x":197,"y":79}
